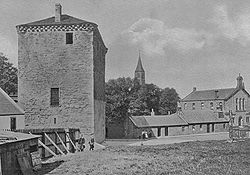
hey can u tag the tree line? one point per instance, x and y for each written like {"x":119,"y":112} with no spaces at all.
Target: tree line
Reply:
{"x":125,"y":97}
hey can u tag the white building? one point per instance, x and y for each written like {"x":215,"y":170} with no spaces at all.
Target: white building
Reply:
{"x":11,"y":115}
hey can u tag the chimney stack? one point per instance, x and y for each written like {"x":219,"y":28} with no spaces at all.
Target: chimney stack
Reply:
{"x":194,"y":89}
{"x":58,"y":12}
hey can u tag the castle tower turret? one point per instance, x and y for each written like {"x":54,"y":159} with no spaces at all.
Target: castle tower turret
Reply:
{"x":139,"y":71}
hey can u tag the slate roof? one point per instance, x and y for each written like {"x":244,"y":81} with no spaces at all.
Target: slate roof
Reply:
{"x":202,"y":116}
{"x":8,"y":106}
{"x":156,"y":121}
{"x":222,"y":94}
{"x":65,"y":20}
{"x":178,"y":119}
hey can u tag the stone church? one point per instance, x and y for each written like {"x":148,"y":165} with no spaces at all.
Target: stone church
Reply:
{"x":61,"y":78}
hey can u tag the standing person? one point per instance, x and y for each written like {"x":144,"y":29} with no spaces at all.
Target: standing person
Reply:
{"x":91,"y":144}
{"x":81,"y":143}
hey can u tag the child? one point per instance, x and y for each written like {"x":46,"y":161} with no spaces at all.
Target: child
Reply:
{"x":91,"y":144}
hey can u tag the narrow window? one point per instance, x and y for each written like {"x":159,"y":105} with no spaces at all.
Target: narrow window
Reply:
{"x":202,"y":105}
{"x":247,"y":119}
{"x":224,"y":125}
{"x":185,"y":105}
{"x":243,"y":104}
{"x":200,"y":126}
{"x":220,"y":106}
{"x":54,"y":121}
{"x":211,"y":105}
{"x":236,"y":103}
{"x":54,"y":97}
{"x":69,"y":38}
{"x":193,"y":106}
{"x":240,"y":104}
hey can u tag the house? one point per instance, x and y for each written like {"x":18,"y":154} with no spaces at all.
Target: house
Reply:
{"x":223,"y":101}
{"x":11,"y":115}
{"x":199,"y":112}
{"x":61,"y":77}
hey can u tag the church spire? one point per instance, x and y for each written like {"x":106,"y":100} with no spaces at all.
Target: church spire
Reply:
{"x":139,"y":67}
{"x":139,"y":71}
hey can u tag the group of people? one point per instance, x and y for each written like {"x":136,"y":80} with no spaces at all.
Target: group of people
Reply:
{"x":81,"y":143}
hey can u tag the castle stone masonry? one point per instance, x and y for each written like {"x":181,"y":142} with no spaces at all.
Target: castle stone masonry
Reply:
{"x":61,"y":79}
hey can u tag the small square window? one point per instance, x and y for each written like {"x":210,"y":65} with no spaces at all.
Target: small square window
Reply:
{"x":69,"y":38}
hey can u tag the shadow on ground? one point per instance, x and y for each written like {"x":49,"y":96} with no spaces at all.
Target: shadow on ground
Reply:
{"x":48,"y":167}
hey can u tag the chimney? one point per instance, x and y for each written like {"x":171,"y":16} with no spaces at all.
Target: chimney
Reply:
{"x":152,"y":112}
{"x":194,"y":89}
{"x":58,"y":12}
{"x":216,"y":94}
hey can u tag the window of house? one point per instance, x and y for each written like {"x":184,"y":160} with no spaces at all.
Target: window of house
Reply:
{"x":236,"y":104}
{"x":166,"y":131}
{"x":224,"y":125}
{"x":211,"y":105}
{"x":185,"y":105}
{"x":240,"y":104}
{"x":193,"y":106}
{"x":202,"y":105}
{"x":220,"y":106}
{"x":54,"y":97}
{"x":243,"y":104}
{"x":247,"y":119}
{"x":200,"y":126}
{"x":69,"y":38}
{"x":54,"y":121}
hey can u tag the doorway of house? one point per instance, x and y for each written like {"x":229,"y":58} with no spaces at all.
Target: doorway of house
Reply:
{"x":13,"y":123}
{"x":208,"y":128}
{"x":166,"y":131}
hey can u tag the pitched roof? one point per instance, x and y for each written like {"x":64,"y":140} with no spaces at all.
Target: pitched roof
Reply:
{"x":222,"y":94}
{"x":139,"y":67}
{"x":65,"y":20}
{"x":202,"y":116}
{"x":8,"y":106}
{"x":156,"y":121}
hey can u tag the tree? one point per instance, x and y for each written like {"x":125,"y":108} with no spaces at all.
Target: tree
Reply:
{"x":168,"y":101}
{"x":119,"y":94}
{"x":8,"y":75}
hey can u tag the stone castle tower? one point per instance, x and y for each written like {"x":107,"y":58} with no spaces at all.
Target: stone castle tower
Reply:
{"x":139,"y":72}
{"x":61,"y":79}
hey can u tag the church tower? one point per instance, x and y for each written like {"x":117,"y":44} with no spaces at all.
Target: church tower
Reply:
{"x":139,"y":72}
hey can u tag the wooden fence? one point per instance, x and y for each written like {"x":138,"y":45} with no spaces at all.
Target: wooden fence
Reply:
{"x":55,"y":141}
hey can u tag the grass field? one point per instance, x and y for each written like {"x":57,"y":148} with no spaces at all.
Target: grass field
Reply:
{"x":206,"y":157}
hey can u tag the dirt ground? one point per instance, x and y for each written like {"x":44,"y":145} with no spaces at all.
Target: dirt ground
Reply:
{"x":199,"y":157}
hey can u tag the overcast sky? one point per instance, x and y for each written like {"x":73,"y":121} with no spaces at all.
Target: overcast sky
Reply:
{"x":183,"y":44}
